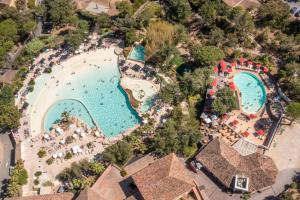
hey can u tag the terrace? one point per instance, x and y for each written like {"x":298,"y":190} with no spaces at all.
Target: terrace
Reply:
{"x":253,"y":119}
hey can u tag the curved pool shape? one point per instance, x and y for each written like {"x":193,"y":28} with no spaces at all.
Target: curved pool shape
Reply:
{"x":137,"y":53}
{"x":253,"y":93}
{"x":74,"y":107}
{"x":94,"y":90}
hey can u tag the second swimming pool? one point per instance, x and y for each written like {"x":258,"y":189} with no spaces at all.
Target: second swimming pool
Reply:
{"x":253,"y":93}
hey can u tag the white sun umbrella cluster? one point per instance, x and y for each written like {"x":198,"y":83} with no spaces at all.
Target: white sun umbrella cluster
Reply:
{"x":63,"y":140}
{"x":76,"y":149}
{"x":59,"y":131}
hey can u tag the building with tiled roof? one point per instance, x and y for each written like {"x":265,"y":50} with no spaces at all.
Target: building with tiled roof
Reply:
{"x":57,"y":196}
{"x":164,"y":179}
{"x":225,"y":164}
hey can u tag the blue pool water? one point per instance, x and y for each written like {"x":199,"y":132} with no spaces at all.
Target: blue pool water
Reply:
{"x":137,"y":53}
{"x":253,"y":93}
{"x":93,"y":95}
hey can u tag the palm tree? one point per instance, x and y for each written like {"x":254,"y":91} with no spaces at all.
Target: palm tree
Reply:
{"x":65,"y":116}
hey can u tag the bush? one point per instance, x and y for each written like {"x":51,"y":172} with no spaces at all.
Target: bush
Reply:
{"x":38,"y":173}
{"x":69,"y":139}
{"x":42,"y":153}
{"x":50,"y":161}
{"x":68,"y":155}
{"x":48,"y":183}
{"x":118,"y":153}
{"x":36,"y":182}
{"x":123,"y":173}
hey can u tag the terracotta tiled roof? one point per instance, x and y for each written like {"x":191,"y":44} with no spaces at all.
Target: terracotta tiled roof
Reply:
{"x":224,"y":162}
{"x":57,"y":196}
{"x":89,"y":194}
{"x":165,"y":179}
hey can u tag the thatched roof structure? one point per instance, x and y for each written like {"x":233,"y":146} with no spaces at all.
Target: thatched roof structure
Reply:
{"x":166,"y":178}
{"x":224,"y":162}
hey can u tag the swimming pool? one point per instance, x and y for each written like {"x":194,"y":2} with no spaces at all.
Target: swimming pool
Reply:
{"x":252,"y":92}
{"x":93,"y":94}
{"x":137,"y":53}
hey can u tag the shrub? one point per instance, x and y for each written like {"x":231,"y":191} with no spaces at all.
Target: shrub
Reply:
{"x":68,"y":155}
{"x":38,"y":173}
{"x":36,"y":182}
{"x":50,"y":161}
{"x":48,"y":183}
{"x":123,"y":173}
{"x":42,"y":153}
{"x":69,"y":139}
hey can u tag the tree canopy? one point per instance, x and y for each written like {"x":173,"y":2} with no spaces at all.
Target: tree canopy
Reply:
{"x":293,"y":110}
{"x":226,"y":101}
{"x":207,"y":55}
{"x":118,"y":153}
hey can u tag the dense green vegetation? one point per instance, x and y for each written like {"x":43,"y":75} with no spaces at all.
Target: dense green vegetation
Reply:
{"x":17,"y":179}
{"x":226,"y":101}
{"x":81,"y":174}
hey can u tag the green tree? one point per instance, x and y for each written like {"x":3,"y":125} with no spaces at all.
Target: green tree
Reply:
{"x":274,"y":13}
{"x":8,"y":30}
{"x":130,"y":37}
{"x":178,"y":10}
{"x":226,"y":101}
{"x":74,"y":39}
{"x":18,"y":178}
{"x":207,"y":55}
{"x":59,"y":10}
{"x":97,"y":168}
{"x":125,"y":8}
{"x":118,"y":153}
{"x":293,"y":111}
{"x":34,"y":47}
{"x":9,"y":117}
{"x":65,"y":116}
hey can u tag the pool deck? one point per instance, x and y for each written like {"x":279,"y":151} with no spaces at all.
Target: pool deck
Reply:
{"x":236,"y":115}
{"x":48,"y":93}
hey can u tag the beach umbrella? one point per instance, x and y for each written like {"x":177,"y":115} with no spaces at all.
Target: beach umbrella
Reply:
{"x":258,"y":65}
{"x":54,"y":156}
{"x":82,"y":134}
{"x":232,"y":85}
{"x":242,"y":60}
{"x":265,"y":69}
{"x":46,"y":136}
{"x":249,"y":62}
{"x":233,"y":64}
{"x":97,"y":134}
{"x":252,"y":116}
{"x":246,"y":134}
{"x":214,"y":83}
{"x":235,"y":122}
{"x":211,"y":92}
{"x":223,"y":65}
{"x":60,"y":154}
{"x":74,"y":135}
{"x":260,"y":132}
{"x":62,"y":142}
{"x":229,"y":70}
{"x":215,"y":69}
{"x":77,"y":130}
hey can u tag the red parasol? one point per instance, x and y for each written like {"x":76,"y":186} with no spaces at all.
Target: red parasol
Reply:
{"x":233,"y":64}
{"x":214,"y":83}
{"x":242,"y":60}
{"x":229,"y":70}
{"x":235,"y":122}
{"x":252,"y":116}
{"x":250,"y":62}
{"x":260,"y":132}
{"x":216,"y":70}
{"x":266,"y":70}
{"x":223,"y":65}
{"x":211,"y":92}
{"x":232,"y":86}
{"x":258,"y":65}
{"x":246,"y":134}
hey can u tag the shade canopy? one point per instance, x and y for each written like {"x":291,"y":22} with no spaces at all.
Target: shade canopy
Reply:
{"x":258,"y":65}
{"x":246,"y":134}
{"x":235,"y":122}
{"x":223,"y":65}
{"x":215,"y":69}
{"x":242,"y":60}
{"x":252,"y":116}
{"x":211,"y":92}
{"x":260,"y":132}
{"x":232,"y":64}
{"x":229,"y":70}
{"x":265,"y":69}
{"x":232,"y":85}
{"x":54,"y":155}
{"x":214,"y":83}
